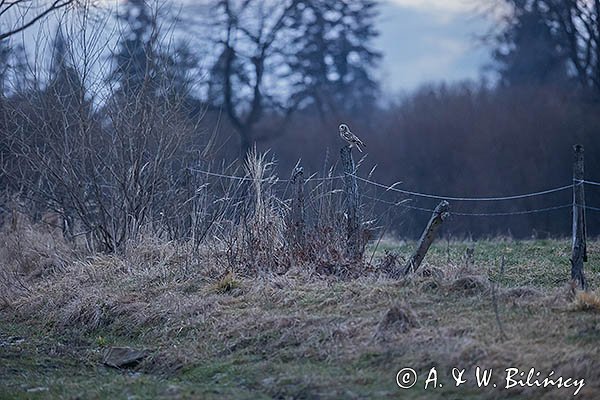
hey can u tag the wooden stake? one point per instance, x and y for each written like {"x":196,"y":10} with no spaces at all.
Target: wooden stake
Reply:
{"x":579,"y":248}
{"x":354,"y":246}
{"x":298,"y":213}
{"x":439,"y":215}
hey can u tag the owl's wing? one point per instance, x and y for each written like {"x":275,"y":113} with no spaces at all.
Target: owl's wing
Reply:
{"x":357,"y":140}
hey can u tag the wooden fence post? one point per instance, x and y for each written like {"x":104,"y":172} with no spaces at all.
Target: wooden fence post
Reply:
{"x":439,"y":215}
{"x":579,"y":248}
{"x":298,"y":213}
{"x":354,"y":245}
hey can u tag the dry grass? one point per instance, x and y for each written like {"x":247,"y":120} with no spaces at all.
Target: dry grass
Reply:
{"x":295,"y":334}
{"x":399,"y":318}
{"x":28,"y":252}
{"x":587,"y":301}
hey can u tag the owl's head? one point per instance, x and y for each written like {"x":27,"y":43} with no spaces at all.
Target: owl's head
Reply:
{"x":344,"y":128}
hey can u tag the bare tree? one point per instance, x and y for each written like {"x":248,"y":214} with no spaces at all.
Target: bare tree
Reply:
{"x":275,"y":57}
{"x":579,"y":26}
{"x":249,"y":32}
{"x":28,"y":12}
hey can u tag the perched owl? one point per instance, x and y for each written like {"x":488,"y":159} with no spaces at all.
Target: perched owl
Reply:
{"x":350,"y":137}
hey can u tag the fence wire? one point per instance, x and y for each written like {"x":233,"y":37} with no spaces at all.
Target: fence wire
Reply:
{"x":271,"y":179}
{"x":511,"y":213}
{"x":440,"y":197}
{"x":406,"y":192}
{"x":403,"y":203}
{"x":589,"y":183}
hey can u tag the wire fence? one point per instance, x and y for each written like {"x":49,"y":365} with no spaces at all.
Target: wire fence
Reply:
{"x":270,"y":179}
{"x":403,"y":203}
{"x":474,"y":199}
{"x":591,"y":183}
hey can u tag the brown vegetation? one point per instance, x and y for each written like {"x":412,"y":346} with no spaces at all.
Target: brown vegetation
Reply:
{"x":125,"y":223}
{"x":179,"y":305}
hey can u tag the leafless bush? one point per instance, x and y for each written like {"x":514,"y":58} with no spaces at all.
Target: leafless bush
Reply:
{"x":114,"y":153}
{"x":110,"y":156}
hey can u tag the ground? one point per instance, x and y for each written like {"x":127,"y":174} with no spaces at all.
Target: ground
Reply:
{"x":301,"y":336}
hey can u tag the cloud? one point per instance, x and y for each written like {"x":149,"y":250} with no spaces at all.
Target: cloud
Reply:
{"x":435,"y":6}
{"x":422,"y":46}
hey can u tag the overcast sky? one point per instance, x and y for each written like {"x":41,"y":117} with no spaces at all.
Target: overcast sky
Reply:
{"x":422,"y":41}
{"x":430,"y":41}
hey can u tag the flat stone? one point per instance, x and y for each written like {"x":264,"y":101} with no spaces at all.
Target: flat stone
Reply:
{"x":11,"y":341}
{"x":123,"y":357}
{"x":37,"y":389}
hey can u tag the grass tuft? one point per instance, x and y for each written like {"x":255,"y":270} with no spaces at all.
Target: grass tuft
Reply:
{"x":470,"y":285}
{"x":227,"y":283}
{"x":587,"y":301}
{"x":400,"y":318}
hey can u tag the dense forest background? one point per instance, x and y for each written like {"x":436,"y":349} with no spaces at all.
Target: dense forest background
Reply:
{"x":112,"y":117}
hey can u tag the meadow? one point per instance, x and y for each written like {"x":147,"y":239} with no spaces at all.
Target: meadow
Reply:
{"x":178,"y":219}
{"x":302,"y":334}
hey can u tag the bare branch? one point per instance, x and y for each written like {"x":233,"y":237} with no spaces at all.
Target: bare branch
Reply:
{"x":54,"y":6}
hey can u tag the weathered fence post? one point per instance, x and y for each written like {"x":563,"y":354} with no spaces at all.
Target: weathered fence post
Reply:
{"x":579,"y":248}
{"x":439,"y":215}
{"x":298,"y":219}
{"x":354,"y":245}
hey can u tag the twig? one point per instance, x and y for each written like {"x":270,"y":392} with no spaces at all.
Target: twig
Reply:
{"x":495,"y":302}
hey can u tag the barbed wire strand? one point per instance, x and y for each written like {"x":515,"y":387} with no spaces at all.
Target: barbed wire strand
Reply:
{"x":232,"y":177}
{"x":590,"y":183}
{"x":272,"y":179}
{"x":439,"y":197}
{"x":407,"y":192}
{"x":434,"y":196}
{"x":463,"y":214}
{"x":506,"y":214}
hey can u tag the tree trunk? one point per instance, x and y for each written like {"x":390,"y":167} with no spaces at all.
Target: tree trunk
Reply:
{"x":245,"y":143}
